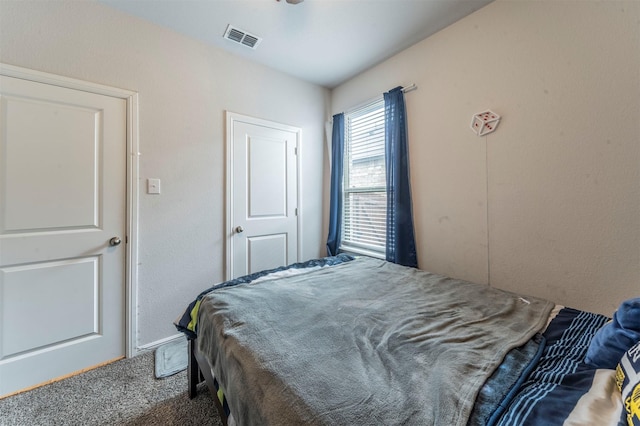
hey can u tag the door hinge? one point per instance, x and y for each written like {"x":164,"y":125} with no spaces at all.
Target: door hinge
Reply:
{"x":295,"y":151}
{"x":296,"y":211}
{"x":126,"y":239}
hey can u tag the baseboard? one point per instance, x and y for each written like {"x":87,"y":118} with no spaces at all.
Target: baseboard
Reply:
{"x":153,"y":345}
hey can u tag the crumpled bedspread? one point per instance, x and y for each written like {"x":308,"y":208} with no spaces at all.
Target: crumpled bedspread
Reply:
{"x":362,"y":342}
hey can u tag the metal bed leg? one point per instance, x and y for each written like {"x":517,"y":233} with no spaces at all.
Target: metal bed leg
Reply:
{"x":193,"y":372}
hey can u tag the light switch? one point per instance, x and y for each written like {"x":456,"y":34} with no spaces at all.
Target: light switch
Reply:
{"x":153,"y":186}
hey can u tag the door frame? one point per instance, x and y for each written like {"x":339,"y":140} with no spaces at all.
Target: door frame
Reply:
{"x":231,"y":118}
{"x":132,"y":192}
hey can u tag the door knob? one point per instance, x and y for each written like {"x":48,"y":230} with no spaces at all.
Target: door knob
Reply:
{"x":115,"y":241}
{"x":239,"y":229}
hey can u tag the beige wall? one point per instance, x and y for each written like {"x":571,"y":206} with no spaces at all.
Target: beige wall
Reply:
{"x":184,"y":88}
{"x":559,"y":179}
{"x":549,"y":204}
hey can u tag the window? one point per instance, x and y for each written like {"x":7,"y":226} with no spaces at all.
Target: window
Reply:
{"x":364,"y":187}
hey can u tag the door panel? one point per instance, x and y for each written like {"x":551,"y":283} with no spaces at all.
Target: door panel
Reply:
{"x":67,"y":169}
{"x":267,"y":177}
{"x":263,"y":195}
{"x":62,"y":192}
{"x":36,"y":285}
{"x":266,"y":252}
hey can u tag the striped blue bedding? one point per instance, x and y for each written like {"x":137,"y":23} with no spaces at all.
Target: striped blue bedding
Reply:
{"x":561,"y":379}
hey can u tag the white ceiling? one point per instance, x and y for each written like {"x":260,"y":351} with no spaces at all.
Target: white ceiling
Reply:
{"x":321,"y":41}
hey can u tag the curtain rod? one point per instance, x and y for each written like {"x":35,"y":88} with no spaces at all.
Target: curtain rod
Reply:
{"x":409,"y":88}
{"x":406,"y":89}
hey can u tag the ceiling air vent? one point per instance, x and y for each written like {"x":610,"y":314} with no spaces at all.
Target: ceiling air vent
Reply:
{"x":240,"y":36}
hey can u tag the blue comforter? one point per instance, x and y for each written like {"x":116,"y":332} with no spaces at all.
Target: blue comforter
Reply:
{"x":561,"y":377}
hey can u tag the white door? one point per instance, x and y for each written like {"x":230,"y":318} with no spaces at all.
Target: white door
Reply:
{"x":62,"y":199}
{"x":262,"y":200}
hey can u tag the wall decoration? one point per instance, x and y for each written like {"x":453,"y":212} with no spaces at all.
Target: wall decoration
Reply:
{"x":484,"y":122}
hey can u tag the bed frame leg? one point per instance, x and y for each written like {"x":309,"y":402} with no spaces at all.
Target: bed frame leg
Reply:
{"x":196,"y":375}
{"x":193,"y":372}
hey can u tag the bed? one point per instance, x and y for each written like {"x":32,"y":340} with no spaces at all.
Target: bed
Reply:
{"x":359,"y":341}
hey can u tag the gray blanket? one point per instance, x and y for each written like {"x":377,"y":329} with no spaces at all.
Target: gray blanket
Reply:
{"x":362,"y":343}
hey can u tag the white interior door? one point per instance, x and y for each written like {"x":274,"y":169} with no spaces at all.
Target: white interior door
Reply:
{"x":262,"y":218}
{"x":62,"y":200}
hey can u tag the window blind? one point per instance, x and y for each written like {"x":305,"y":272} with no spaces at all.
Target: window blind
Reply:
{"x":364,"y":186}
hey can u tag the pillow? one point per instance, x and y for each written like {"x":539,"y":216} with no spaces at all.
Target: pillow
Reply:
{"x":628,"y":381}
{"x":615,"y":337}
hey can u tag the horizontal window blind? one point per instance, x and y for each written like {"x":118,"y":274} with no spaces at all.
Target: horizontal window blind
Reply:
{"x":364,"y":186}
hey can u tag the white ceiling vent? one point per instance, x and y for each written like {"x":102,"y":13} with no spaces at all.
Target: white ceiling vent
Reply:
{"x":240,"y":36}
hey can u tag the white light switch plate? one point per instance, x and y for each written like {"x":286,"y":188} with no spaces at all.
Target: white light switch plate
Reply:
{"x":153,"y":186}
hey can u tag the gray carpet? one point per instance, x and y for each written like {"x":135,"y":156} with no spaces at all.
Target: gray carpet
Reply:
{"x":121,"y":393}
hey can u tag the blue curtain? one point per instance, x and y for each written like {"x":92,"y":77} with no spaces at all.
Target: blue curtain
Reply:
{"x":335,"y":207}
{"x":401,"y":245}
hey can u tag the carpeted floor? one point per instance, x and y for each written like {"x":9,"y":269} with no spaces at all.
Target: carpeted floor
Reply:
{"x":122,"y":393}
